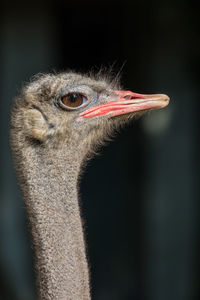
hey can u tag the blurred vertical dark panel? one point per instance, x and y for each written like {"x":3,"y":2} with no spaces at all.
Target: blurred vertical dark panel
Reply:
{"x":171,"y":190}
{"x":141,"y":195}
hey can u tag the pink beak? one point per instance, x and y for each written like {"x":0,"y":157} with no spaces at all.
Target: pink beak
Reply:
{"x":127,"y":102}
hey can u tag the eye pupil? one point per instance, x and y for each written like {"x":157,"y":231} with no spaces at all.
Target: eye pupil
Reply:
{"x":73,"y":100}
{"x":73,"y":97}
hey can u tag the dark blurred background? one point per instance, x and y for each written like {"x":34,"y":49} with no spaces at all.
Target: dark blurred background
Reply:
{"x":141,"y":195}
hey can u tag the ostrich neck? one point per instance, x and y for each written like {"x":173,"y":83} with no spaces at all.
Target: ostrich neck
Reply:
{"x":49,"y":184}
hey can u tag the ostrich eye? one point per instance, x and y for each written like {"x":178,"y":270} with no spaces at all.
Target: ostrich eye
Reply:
{"x":75,"y":97}
{"x":73,"y":100}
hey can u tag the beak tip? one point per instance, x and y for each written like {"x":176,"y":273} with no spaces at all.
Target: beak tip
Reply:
{"x":165,"y":99}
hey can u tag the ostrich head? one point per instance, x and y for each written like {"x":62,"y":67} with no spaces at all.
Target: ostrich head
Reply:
{"x":76,"y":110}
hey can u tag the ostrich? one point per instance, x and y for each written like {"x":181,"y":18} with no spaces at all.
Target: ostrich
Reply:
{"x":57,"y":122}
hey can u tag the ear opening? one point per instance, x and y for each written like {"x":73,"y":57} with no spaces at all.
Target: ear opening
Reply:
{"x":36,"y":124}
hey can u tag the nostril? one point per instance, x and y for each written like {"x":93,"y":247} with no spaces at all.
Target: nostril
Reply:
{"x":130,"y":97}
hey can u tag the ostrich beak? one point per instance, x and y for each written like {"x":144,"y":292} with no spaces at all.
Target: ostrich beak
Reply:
{"x":127,"y":102}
